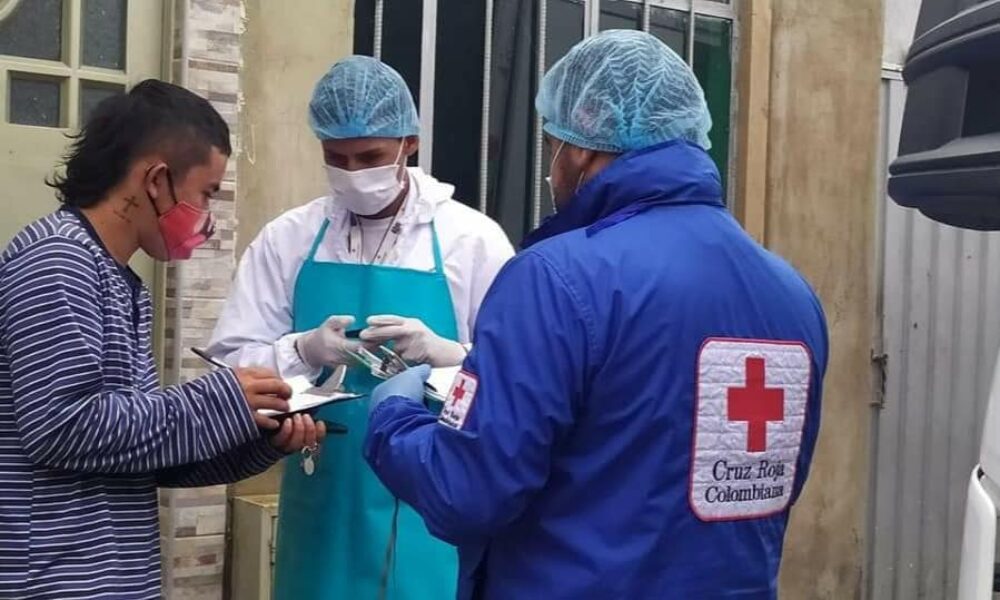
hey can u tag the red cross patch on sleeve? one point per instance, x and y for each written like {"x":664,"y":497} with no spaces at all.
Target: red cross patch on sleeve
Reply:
{"x":751,"y":401}
{"x":459,"y":402}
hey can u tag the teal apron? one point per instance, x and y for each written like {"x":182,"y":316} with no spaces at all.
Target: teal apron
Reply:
{"x":341,"y":534}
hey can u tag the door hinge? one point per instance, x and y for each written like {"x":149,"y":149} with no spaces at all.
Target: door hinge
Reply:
{"x":880,"y":361}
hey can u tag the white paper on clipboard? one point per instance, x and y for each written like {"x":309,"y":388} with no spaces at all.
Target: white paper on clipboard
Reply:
{"x":307,"y":396}
{"x":441,"y":380}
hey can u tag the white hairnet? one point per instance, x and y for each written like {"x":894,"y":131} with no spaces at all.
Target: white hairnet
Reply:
{"x":620,"y":91}
{"x":362,"y":97}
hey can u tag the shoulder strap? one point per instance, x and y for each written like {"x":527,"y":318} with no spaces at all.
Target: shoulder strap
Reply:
{"x":438,"y":261}
{"x":318,"y":240}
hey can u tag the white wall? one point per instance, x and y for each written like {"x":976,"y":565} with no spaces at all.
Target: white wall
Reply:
{"x":900,"y":20}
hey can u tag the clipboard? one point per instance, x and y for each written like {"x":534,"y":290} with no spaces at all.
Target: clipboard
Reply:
{"x":306,"y":396}
{"x":389,"y":364}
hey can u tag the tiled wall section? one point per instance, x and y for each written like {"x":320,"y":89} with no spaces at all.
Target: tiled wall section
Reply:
{"x":193,"y":522}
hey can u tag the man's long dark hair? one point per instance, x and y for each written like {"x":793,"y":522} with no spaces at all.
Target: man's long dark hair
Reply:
{"x":152,"y":116}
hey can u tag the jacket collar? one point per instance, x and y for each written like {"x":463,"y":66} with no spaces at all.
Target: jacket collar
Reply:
{"x":675,"y":172}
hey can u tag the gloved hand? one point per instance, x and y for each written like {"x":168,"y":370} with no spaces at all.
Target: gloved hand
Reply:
{"x":327,"y":345}
{"x":414,"y":341}
{"x":408,"y":384}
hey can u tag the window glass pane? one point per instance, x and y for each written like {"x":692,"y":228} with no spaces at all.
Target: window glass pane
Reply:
{"x":713,"y":67}
{"x":364,"y":27}
{"x":104,"y":33}
{"x":33,"y":30}
{"x":671,"y":27}
{"x":91,"y":94}
{"x":402,"y":35}
{"x":512,"y":117}
{"x":620,"y":14}
{"x":458,"y":96}
{"x":35,"y":100}
{"x":563,"y":29}
{"x":402,"y":45}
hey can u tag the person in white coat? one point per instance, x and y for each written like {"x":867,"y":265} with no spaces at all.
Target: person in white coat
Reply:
{"x":387,"y":256}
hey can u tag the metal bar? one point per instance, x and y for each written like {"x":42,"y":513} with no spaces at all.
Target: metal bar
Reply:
{"x":716,"y":9}
{"x":892,"y":71}
{"x":536,"y":176}
{"x":73,"y":37}
{"x":645,"y":15}
{"x":683,"y":5}
{"x":428,"y":53}
{"x":592,"y":23}
{"x":377,"y":42}
{"x":177,"y":350}
{"x":735,"y":52}
{"x":690,"y":38}
{"x":484,"y":140}
{"x":702,"y":7}
{"x":878,"y":336}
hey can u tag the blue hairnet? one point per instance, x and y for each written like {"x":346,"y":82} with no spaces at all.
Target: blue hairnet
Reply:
{"x":620,"y":91}
{"x":362,"y":97}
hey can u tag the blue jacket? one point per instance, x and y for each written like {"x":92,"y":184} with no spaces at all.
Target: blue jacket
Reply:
{"x":640,"y":407}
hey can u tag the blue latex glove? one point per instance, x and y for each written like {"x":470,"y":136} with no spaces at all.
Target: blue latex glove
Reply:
{"x":408,"y":384}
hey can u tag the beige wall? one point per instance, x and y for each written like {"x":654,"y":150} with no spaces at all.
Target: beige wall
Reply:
{"x":819,"y":213}
{"x":284,"y":53}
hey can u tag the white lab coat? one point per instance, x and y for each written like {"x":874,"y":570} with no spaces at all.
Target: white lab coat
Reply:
{"x":256,"y":322}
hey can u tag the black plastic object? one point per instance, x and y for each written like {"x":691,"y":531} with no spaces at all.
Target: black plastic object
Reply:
{"x":949,"y":150}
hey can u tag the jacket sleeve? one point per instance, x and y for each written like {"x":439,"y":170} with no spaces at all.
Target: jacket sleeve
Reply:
{"x":476,"y":469}
{"x":246,"y":461}
{"x":254,"y":327}
{"x":52,"y":323}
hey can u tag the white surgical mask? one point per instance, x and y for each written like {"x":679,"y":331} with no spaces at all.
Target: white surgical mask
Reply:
{"x":368,"y":191}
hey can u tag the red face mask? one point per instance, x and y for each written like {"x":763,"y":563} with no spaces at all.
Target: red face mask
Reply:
{"x":184,"y":227}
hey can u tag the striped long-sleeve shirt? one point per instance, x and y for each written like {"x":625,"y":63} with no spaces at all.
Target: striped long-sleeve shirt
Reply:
{"x":86,"y":434}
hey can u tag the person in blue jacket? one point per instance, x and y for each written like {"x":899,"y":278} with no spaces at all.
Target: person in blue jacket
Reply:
{"x":640,"y":407}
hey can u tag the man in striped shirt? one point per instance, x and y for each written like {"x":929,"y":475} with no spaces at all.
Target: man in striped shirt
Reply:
{"x":86,"y":434}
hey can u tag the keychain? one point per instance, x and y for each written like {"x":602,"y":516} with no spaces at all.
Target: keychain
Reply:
{"x":309,"y":454}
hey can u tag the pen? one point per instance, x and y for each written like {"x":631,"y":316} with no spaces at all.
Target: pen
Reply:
{"x":205,"y":357}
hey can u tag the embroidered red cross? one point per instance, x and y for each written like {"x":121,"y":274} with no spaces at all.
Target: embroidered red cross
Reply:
{"x":458,"y":393}
{"x":756,"y":404}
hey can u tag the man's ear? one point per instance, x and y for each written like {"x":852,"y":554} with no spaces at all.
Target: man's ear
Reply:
{"x":411,"y":144}
{"x":580,"y":158}
{"x":153,"y":177}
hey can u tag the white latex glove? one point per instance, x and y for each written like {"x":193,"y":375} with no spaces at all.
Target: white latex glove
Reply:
{"x":413,"y":341}
{"x":327,"y":345}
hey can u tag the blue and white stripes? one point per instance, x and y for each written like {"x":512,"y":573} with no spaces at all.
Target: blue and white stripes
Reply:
{"x":86,"y":435}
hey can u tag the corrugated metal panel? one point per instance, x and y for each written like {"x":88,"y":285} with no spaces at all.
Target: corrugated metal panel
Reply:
{"x":938,"y":286}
